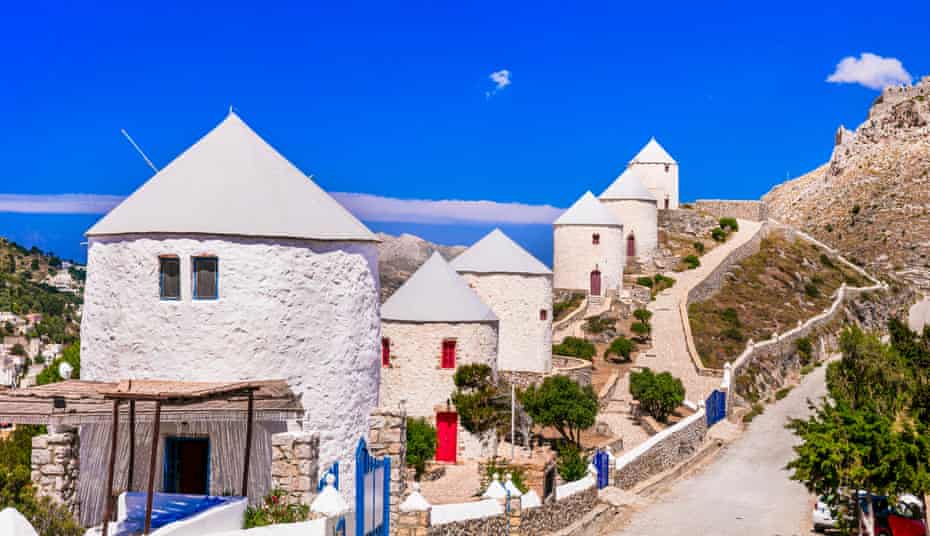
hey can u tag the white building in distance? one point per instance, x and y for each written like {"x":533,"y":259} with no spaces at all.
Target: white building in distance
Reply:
{"x":658,"y":172}
{"x":431,"y":325}
{"x":231,"y":264}
{"x":633,"y":205}
{"x":588,"y":244}
{"x":518,"y":288}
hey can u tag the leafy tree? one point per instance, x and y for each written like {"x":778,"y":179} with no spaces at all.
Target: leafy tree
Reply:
{"x":575,"y":347}
{"x":658,"y":394}
{"x":621,"y":347}
{"x":482,"y":403}
{"x":18,"y":349}
{"x":71,"y":355}
{"x":870,"y":374}
{"x":642,"y":329}
{"x":643,"y":315}
{"x":571,"y":464}
{"x":421,"y":444}
{"x":563,"y":404}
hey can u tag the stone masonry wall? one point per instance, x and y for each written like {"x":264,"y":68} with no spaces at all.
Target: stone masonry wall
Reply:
{"x":498,"y":525}
{"x":677,"y":446}
{"x":557,"y":515}
{"x":746,"y":210}
{"x":387,"y":436}
{"x":295,"y":458}
{"x":712,"y":283}
{"x":55,"y":467}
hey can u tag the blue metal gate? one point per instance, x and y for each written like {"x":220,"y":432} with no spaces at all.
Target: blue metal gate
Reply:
{"x":333,"y":470}
{"x":602,"y":464}
{"x":372,"y":493}
{"x":716,"y":407}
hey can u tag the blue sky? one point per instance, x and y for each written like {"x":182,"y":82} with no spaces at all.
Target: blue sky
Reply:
{"x":394,"y":100}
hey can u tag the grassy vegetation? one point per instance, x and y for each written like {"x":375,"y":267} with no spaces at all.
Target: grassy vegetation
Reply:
{"x":786,"y":281}
{"x":757,"y":409}
{"x":561,"y":309}
{"x":597,"y":324}
{"x":782,"y":393}
{"x":575,"y":347}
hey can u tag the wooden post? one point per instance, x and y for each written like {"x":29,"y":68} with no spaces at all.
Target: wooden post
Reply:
{"x":248,"y":445}
{"x":108,"y":504}
{"x":132,"y":443}
{"x":156,"y":424}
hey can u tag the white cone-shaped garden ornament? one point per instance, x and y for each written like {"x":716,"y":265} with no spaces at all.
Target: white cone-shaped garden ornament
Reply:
{"x":415,"y":502}
{"x":329,"y":502}
{"x":495,"y":490}
{"x":511,"y":487}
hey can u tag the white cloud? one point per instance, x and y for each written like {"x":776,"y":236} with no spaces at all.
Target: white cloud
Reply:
{"x":364,"y":206}
{"x":447,"y":211}
{"x":58,"y":203}
{"x":871,"y":71}
{"x":501,"y":80}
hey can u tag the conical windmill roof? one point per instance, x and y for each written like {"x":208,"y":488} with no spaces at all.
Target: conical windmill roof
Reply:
{"x":497,"y":253}
{"x":588,"y":210}
{"x":653,"y":153}
{"x":232,"y":182}
{"x":436,"y":293}
{"x":628,"y":186}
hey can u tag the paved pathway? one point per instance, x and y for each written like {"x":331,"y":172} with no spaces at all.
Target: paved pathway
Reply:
{"x":745,"y":489}
{"x":670,"y":351}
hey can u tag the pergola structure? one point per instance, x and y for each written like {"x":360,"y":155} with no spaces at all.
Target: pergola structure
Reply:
{"x":76,"y":402}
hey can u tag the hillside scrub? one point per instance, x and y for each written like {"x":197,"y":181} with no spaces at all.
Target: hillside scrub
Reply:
{"x":575,"y":347}
{"x":768,"y":292}
{"x":562,"y":308}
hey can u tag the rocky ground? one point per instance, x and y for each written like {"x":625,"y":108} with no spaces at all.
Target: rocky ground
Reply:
{"x":400,"y":256}
{"x":872,"y":199}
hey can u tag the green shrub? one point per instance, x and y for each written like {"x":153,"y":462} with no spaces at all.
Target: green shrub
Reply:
{"x":855,"y":210}
{"x":718,"y":234}
{"x":641,"y":328}
{"x":733,"y":333}
{"x":517,"y":473}
{"x":757,"y":409}
{"x":805,"y":349}
{"x":661,"y":282}
{"x":729,"y":223}
{"x":658,"y":394}
{"x":275,"y":509}
{"x":644,"y":281}
{"x":699,"y":247}
{"x":826,"y":261}
{"x":598,"y":324}
{"x":730,"y":316}
{"x":782,"y":393}
{"x":691,"y":261}
{"x":562,"y":308}
{"x":621,"y":347}
{"x":829,"y":227}
{"x":643,"y":315}
{"x":575,"y":347}
{"x":811,"y":290}
{"x":421,"y":444}
{"x":572,"y":465}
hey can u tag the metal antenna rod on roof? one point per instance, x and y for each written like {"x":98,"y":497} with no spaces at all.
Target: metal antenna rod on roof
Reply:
{"x":134,"y":144}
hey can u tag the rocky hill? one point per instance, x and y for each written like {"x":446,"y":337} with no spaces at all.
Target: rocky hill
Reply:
{"x":400,"y":256}
{"x":872,"y":199}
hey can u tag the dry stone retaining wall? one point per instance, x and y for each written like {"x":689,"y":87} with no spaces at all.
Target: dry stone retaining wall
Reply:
{"x":725,"y":208}
{"x":712,"y":283}
{"x":661,"y":452}
{"x":557,"y":515}
{"x":55,"y":467}
{"x":498,"y":525}
{"x":387,"y":436}
{"x":295,"y":458}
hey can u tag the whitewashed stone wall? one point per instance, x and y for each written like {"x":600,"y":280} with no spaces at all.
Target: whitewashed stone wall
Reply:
{"x":415,"y":374}
{"x":525,"y":341}
{"x":659,"y":182}
{"x":639,"y":218}
{"x":576,"y":256}
{"x":301,"y":310}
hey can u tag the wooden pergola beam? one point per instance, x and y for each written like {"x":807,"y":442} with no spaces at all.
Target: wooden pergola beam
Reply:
{"x":150,"y":490}
{"x":114,"y":435}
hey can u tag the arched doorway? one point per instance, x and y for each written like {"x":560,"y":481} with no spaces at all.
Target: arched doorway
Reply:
{"x":596,"y":282}
{"x":630,"y":246}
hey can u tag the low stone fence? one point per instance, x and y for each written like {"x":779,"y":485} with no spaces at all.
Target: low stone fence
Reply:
{"x":573,"y":367}
{"x":661,"y":451}
{"x":55,"y":467}
{"x":557,"y":515}
{"x":724,"y":208}
{"x":714,"y":280}
{"x":608,"y":390}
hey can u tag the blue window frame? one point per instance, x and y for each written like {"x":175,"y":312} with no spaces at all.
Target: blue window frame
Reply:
{"x":169,"y":278}
{"x":206,"y":278}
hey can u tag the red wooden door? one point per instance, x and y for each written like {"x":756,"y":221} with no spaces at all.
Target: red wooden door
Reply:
{"x":596,"y":283}
{"x":631,"y":246}
{"x":447,"y":424}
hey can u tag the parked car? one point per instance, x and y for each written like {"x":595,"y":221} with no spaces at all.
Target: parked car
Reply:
{"x":822,"y":516}
{"x":906,"y":518}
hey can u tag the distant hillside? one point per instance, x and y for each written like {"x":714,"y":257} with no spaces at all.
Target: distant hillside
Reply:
{"x":872,"y":199}
{"x":400,"y":256}
{"x":28,"y":280}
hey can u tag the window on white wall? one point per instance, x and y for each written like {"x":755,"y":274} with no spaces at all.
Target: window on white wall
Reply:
{"x":206,"y":278}
{"x":169,"y":278}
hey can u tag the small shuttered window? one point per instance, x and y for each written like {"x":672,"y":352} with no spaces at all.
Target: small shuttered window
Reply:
{"x":448,"y":354}
{"x":385,"y":352}
{"x":543,"y":314}
{"x":169,"y":274}
{"x":596,"y":238}
{"x":206,"y":278}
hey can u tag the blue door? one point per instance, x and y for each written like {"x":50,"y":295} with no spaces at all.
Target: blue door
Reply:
{"x":716,"y":407}
{"x":602,"y":464}
{"x":372,"y":493}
